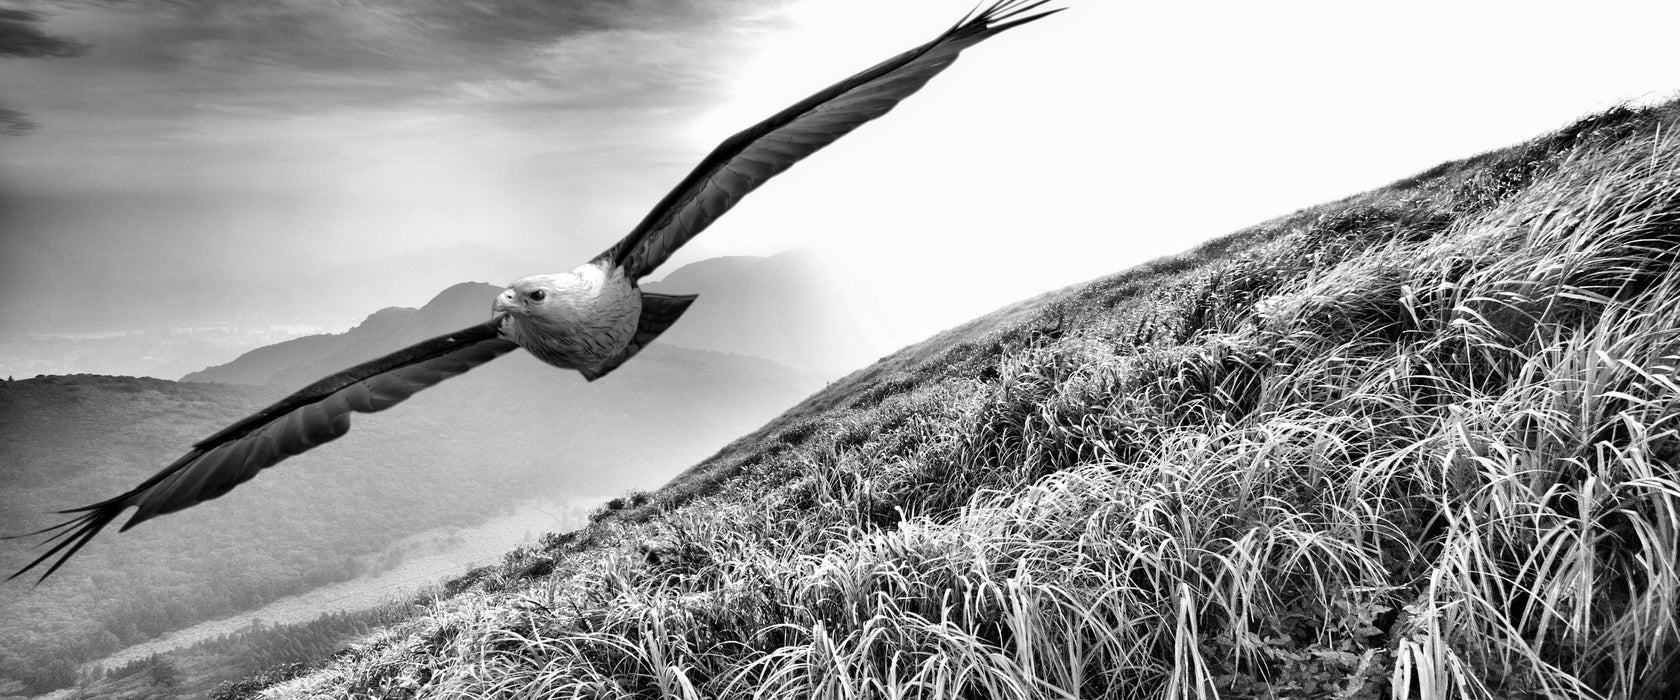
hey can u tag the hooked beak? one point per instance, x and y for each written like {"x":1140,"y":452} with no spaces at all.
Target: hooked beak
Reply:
{"x":504,"y":303}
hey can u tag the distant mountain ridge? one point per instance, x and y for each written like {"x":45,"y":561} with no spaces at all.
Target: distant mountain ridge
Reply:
{"x":303,"y":360}
{"x":787,"y":308}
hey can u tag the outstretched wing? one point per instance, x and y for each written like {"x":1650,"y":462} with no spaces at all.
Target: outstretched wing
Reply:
{"x":318,"y":414}
{"x":746,"y":160}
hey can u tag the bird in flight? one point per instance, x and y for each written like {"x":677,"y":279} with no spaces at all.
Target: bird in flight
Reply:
{"x":592,"y":318}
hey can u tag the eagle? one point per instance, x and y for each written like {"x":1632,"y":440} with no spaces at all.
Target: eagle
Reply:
{"x":591,"y":318}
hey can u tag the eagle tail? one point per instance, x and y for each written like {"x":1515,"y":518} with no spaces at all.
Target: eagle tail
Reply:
{"x":659,"y":311}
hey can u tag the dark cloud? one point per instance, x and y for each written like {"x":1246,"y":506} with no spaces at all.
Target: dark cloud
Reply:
{"x":538,"y":21}
{"x":194,"y":93}
{"x":20,"y":38}
{"x":370,"y":35}
{"x":15,"y":123}
{"x":265,"y":58}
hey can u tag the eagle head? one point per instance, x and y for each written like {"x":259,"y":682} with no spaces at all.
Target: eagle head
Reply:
{"x":572,"y":319}
{"x":534,"y":295}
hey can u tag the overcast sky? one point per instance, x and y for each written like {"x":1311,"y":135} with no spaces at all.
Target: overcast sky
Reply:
{"x":164,"y":160}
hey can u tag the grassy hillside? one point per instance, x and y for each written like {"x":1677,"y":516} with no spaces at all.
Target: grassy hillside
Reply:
{"x":1420,"y":442}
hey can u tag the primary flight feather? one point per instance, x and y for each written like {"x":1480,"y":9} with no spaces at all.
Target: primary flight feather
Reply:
{"x":590,"y":319}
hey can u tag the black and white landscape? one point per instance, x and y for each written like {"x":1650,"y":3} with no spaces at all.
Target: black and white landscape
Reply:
{"x":1236,"y":350}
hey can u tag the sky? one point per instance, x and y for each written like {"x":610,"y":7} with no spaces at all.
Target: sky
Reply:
{"x":176,"y":161}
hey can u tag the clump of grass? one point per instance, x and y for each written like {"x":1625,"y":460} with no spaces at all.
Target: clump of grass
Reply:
{"x":1421,"y":443}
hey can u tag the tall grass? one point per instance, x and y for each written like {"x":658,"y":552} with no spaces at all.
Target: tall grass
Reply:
{"x":1420,"y":445}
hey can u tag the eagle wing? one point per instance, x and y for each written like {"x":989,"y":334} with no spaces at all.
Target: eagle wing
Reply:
{"x":317,"y":414}
{"x":746,"y":160}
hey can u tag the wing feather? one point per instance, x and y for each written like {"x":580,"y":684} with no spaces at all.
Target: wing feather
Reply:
{"x":749,"y":158}
{"x":316,"y":415}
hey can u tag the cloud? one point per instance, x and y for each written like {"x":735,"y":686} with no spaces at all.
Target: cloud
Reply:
{"x":378,"y":36}
{"x":15,"y":123}
{"x":303,"y":57}
{"x":20,"y":38}
{"x":282,"y":93}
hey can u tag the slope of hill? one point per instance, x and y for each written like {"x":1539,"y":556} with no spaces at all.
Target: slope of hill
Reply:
{"x":508,"y":432}
{"x":1420,"y":442}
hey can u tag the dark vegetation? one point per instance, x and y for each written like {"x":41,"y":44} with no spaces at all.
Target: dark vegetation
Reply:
{"x":237,"y":665}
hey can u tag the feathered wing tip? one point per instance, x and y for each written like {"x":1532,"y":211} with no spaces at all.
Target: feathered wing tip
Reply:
{"x":1003,"y":14}
{"x":73,"y":534}
{"x":70,"y":536}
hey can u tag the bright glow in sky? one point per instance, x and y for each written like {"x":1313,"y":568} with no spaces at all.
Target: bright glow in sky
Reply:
{"x":293,"y":159}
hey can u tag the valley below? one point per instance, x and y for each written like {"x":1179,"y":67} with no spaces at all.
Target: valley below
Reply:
{"x":416,"y":562}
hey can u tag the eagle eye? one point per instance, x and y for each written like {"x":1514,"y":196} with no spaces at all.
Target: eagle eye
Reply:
{"x":538,"y":295}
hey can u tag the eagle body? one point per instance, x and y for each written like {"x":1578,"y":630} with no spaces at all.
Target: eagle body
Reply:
{"x":579,"y":319}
